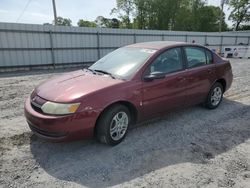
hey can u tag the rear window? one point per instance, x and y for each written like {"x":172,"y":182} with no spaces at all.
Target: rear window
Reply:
{"x":195,"y":56}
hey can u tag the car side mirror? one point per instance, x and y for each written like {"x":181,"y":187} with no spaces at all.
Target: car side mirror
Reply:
{"x":154,"y":76}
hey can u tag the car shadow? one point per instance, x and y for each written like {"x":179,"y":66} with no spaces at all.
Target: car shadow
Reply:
{"x":193,"y":135}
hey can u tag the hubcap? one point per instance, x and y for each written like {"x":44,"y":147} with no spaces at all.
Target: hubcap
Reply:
{"x":216,"y":96}
{"x":119,"y":126}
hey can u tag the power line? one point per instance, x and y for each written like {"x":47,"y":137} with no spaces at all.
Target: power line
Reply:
{"x":27,"y":4}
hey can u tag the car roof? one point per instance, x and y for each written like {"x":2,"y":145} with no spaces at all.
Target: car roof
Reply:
{"x":158,"y":45}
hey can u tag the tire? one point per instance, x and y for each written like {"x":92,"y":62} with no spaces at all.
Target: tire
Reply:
{"x":215,"y":96}
{"x":113,"y":125}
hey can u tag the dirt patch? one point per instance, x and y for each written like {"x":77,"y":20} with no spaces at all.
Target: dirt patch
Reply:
{"x":16,"y":140}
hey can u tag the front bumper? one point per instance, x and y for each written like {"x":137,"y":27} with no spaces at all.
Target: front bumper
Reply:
{"x":61,"y":128}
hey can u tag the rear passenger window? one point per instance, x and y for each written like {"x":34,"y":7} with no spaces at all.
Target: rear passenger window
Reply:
{"x":195,"y":56}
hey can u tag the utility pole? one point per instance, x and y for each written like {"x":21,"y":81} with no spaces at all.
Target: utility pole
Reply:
{"x":221,"y":14}
{"x":223,"y":2}
{"x":54,"y":8}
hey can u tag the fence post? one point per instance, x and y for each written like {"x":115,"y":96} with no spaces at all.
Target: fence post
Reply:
{"x":236,"y":40}
{"x":186,"y":38}
{"x":221,"y":43}
{"x":205,"y":40}
{"x":162,"y":37}
{"x":98,"y":44}
{"x":52,"y":49}
{"x":134,"y":37}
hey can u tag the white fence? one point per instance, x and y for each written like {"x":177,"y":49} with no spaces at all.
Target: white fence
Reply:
{"x":26,"y":45}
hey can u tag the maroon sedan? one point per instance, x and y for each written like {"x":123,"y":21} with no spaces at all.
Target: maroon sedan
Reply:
{"x":129,"y":85}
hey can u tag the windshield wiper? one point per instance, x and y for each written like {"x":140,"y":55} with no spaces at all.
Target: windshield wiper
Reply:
{"x":90,"y":70}
{"x":105,"y":72}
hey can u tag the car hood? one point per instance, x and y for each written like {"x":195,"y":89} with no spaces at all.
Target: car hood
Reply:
{"x":74,"y":85}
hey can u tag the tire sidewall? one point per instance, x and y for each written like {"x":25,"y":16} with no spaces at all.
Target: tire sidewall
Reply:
{"x":209,"y":102}
{"x":103,"y":129}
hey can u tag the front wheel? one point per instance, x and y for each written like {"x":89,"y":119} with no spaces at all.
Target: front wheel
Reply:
{"x":215,"y":96}
{"x":113,"y":125}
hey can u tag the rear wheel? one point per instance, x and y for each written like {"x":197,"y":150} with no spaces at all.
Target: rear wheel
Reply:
{"x":113,"y":125}
{"x":215,"y":96}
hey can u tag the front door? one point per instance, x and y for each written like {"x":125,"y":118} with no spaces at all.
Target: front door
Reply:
{"x":167,"y":90}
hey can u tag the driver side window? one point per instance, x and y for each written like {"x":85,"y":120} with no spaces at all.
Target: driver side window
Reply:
{"x":167,"y":62}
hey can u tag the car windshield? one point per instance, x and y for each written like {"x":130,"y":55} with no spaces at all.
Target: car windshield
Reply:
{"x":123,"y":63}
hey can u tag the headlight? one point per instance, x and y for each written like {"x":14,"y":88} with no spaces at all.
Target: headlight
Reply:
{"x":59,"y":109}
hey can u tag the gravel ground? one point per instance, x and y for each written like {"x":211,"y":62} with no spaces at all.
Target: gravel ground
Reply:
{"x":193,"y":147}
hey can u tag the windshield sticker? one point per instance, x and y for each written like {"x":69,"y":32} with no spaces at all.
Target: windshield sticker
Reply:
{"x":149,"y":51}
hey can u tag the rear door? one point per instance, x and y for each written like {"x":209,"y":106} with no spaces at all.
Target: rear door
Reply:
{"x":168,"y":92}
{"x":201,"y":73}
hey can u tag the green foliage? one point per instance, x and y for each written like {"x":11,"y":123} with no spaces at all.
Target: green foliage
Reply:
{"x":209,"y":19}
{"x":63,"y":21}
{"x":124,"y":9}
{"x":85,"y":23}
{"x":240,"y":13}
{"x":106,"y":22}
{"x":181,"y":15}
{"x":244,"y":27}
{"x":184,"y":15}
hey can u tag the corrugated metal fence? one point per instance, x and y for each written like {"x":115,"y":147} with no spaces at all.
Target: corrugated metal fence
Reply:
{"x":26,"y":45}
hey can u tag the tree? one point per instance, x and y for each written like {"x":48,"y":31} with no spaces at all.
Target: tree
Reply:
{"x":197,"y":16}
{"x":185,"y":15}
{"x":245,"y":27}
{"x":209,"y":19}
{"x":115,"y":23}
{"x":155,"y":14}
{"x":106,"y":22}
{"x":240,"y":13}
{"x":124,"y":9}
{"x":85,"y":23}
{"x":142,"y":14}
{"x":63,"y":21}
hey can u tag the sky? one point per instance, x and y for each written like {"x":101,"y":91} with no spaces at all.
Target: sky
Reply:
{"x":41,"y":11}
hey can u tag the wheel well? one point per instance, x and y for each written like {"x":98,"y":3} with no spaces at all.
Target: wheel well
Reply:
{"x":223,"y":83}
{"x":132,"y":109}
